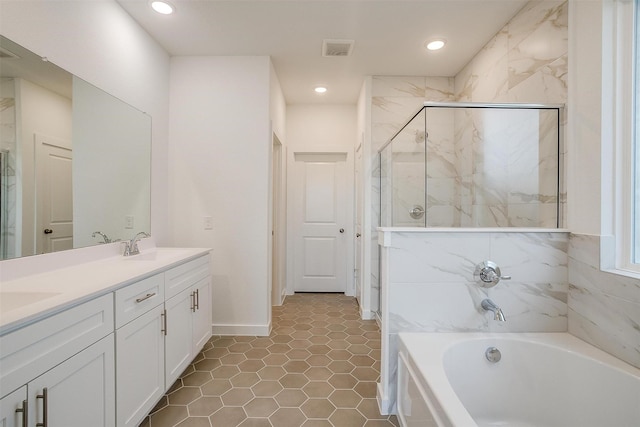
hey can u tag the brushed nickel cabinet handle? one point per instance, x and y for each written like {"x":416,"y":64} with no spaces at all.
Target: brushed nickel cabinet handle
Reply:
{"x":25,"y":413}
{"x":146,"y":297}
{"x":45,"y":403}
{"x":193,"y":301}
{"x":197,"y":299}
{"x":163,"y":315}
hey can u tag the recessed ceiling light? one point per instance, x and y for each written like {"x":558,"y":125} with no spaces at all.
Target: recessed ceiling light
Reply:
{"x":320,"y":89}
{"x":162,"y":7}
{"x":435,"y":44}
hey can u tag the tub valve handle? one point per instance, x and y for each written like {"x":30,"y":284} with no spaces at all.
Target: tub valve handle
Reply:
{"x":488,"y":274}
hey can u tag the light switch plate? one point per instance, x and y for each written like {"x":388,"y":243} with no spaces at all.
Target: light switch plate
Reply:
{"x":208,"y":223}
{"x":128,"y":221}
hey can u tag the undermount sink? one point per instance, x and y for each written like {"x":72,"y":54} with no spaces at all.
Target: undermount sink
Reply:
{"x":13,"y":300}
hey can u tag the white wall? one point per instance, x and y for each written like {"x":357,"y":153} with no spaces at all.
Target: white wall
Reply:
{"x":220,"y":147}
{"x":584,"y":130}
{"x":100,"y":43}
{"x":320,"y":124}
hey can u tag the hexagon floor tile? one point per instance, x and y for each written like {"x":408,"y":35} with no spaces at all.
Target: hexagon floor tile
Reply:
{"x":319,"y":367}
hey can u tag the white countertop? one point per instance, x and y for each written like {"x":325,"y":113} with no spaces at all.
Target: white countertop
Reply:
{"x":33,"y":297}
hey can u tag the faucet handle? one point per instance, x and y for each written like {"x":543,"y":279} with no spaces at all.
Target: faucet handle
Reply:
{"x":488,"y":274}
{"x":127,"y":248}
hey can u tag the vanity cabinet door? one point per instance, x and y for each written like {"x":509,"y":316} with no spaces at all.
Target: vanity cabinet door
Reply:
{"x":140,"y":362}
{"x":13,"y":409}
{"x":178,"y":338}
{"x":202,"y":315}
{"x":79,"y":392}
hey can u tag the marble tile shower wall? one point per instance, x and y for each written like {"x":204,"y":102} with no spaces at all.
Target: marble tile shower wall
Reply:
{"x":604,"y":308}
{"x":394,"y":101}
{"x":508,"y":175}
{"x":511,"y":67}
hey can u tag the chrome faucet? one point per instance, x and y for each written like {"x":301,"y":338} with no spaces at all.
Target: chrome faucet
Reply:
{"x":489,"y":305}
{"x":131,"y":247}
{"x":105,"y":238}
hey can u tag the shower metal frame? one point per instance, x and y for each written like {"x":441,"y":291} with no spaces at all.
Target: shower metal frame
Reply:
{"x":480,"y":105}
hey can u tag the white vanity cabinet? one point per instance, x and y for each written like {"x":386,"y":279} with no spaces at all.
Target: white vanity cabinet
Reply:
{"x":162,"y":323}
{"x":105,"y":357}
{"x":77,"y":393}
{"x":66,"y":365}
{"x":188,"y":315}
{"x":139,"y":349}
{"x":14,"y":409}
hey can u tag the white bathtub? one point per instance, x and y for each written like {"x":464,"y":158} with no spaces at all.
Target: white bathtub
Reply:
{"x":553,"y":379}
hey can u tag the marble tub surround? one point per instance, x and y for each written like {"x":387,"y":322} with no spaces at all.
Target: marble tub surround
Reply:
{"x":27,"y":297}
{"x":427,"y":285}
{"x":604,"y":308}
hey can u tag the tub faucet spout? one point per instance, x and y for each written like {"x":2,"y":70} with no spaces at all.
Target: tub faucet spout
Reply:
{"x":489,"y":305}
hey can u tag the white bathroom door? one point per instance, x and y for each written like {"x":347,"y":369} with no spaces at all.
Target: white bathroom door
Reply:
{"x":54,"y":193}
{"x":319,"y":188}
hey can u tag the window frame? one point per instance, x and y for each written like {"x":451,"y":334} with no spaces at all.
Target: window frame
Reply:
{"x":627,"y":136}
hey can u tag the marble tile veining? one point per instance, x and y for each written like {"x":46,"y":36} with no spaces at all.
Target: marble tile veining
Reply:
{"x":604,"y":308}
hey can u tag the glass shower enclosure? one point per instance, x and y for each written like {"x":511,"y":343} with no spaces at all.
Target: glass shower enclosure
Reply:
{"x":470,"y":165}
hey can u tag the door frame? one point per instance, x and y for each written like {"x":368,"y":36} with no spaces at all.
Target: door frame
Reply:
{"x":277,"y":223}
{"x":349,"y":196}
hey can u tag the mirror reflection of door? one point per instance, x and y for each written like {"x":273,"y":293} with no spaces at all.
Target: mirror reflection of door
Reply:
{"x":54,"y":200}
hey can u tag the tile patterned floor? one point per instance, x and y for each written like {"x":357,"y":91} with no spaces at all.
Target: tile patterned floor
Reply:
{"x":318,"y":368}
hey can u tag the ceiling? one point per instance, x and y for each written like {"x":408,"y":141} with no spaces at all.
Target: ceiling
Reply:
{"x":389,"y":37}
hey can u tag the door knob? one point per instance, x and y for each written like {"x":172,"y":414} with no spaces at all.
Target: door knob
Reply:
{"x":48,"y":231}
{"x":342,"y":230}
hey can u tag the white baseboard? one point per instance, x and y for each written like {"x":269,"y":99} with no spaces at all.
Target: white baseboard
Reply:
{"x":366,"y":314}
{"x":242,"y":330}
{"x":384,"y":405}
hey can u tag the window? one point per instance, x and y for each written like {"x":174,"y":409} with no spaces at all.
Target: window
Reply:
{"x":634,"y":226}
{"x":625,"y":169}
{"x":628,"y":254}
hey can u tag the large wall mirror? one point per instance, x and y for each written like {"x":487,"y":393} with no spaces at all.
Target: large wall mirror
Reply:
{"x":75,"y":162}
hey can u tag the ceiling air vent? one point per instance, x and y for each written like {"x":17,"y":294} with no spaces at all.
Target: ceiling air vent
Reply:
{"x":337,"y":47}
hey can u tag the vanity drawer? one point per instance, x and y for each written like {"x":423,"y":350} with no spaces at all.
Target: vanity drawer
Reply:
{"x":138,"y":298}
{"x":183,"y":276}
{"x":38,"y":347}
